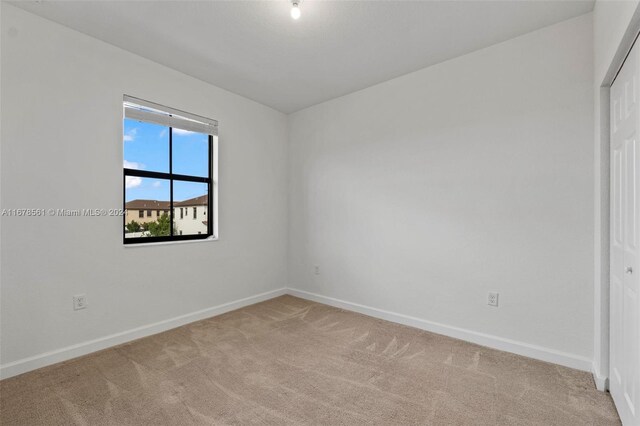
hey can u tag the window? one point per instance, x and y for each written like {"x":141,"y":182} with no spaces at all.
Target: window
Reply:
{"x":170,"y":159}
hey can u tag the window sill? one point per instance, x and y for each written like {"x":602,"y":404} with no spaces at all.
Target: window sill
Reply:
{"x":167,"y":243}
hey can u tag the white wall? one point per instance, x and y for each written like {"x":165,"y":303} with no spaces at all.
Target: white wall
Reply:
{"x":611,"y":20}
{"x":615,"y":26}
{"x":62,"y":148}
{"x":187,"y":224}
{"x":421,"y":194}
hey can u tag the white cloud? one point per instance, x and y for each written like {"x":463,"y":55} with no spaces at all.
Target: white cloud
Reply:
{"x":157,"y":184}
{"x":130,"y":136}
{"x":132,"y":181}
{"x":163,"y":133}
{"x":182,"y":132}
{"x":131,"y":165}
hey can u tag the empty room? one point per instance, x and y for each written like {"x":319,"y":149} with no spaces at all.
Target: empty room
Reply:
{"x":320,"y":212}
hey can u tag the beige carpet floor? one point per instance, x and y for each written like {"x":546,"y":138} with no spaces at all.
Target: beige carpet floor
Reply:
{"x":289,"y":361}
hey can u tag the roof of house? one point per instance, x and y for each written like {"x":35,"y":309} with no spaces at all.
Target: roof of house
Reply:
{"x":147,"y":205}
{"x":202,"y":200}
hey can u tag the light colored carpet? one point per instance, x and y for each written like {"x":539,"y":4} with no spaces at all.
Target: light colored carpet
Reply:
{"x":289,"y":361}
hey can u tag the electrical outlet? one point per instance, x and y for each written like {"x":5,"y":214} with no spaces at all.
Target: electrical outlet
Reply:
{"x":79,"y":302}
{"x":316,"y":270}
{"x":492,"y":299}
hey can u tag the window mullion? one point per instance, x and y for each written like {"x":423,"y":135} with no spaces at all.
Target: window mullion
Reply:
{"x":210,"y":216}
{"x":171,"y":182}
{"x":146,"y":174}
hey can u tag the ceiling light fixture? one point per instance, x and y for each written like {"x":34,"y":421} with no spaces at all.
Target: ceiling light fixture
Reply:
{"x":295,"y":9}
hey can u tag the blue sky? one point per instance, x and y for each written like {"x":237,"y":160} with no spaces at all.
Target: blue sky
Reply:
{"x":146,"y":147}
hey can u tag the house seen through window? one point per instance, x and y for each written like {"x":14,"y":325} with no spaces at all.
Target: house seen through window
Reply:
{"x":169,"y":165}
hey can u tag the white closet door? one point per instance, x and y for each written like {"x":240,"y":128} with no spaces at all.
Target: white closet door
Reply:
{"x":625,"y":241}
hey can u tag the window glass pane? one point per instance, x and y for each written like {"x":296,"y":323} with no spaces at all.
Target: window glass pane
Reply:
{"x":144,"y":196}
{"x":146,"y":146}
{"x":191,"y":207}
{"x":190,"y":153}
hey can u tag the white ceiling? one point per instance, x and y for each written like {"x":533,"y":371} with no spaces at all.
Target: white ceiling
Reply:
{"x":255,"y":49}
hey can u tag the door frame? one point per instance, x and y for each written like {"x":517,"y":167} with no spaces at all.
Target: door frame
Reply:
{"x":600,"y":369}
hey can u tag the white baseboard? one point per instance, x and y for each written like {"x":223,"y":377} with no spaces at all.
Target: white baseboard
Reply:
{"x":602,"y":381}
{"x":27,"y":364}
{"x":533,"y":351}
{"x":495,"y":342}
